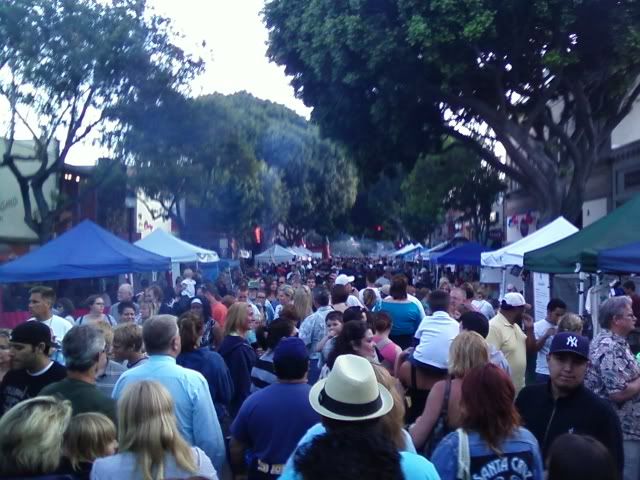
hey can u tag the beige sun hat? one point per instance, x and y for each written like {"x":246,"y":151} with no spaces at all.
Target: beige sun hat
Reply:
{"x":350,"y":392}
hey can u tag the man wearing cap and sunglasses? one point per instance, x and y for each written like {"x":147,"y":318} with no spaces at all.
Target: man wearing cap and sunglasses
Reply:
{"x":564,"y":404}
{"x":506,"y":335}
{"x":351,"y":397}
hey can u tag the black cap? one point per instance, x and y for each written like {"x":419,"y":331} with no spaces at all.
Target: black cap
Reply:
{"x":32,"y":332}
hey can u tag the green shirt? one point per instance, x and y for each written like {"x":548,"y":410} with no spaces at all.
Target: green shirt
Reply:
{"x":84,"y":397}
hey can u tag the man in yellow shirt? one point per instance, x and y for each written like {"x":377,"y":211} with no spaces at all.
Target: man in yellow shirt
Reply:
{"x":506,"y":335}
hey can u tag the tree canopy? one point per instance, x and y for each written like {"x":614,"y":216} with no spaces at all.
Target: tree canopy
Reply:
{"x":548,"y":79}
{"x":66,"y":67}
{"x":242,"y":162}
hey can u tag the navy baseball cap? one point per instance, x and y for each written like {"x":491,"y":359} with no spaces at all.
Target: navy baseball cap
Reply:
{"x":571,"y":343}
{"x":290,"y":348}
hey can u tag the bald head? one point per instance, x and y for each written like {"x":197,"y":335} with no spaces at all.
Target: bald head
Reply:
{"x":160,"y":333}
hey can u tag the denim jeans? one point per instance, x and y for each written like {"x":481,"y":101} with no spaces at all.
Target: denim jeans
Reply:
{"x":314,"y":371}
{"x":631,"y":460}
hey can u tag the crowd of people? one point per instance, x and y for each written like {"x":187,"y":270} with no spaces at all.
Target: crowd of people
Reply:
{"x":300,"y":372}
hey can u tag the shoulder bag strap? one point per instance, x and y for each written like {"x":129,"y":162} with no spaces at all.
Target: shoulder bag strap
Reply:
{"x":464,"y":456}
{"x":445,"y":403}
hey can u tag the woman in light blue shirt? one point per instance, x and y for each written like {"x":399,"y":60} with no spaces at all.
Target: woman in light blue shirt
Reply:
{"x":491,"y":443}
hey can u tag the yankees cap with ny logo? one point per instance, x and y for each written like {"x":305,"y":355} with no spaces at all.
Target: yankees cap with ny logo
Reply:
{"x":571,"y":343}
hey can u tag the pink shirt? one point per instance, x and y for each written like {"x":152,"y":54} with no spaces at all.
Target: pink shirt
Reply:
{"x":389,"y":351}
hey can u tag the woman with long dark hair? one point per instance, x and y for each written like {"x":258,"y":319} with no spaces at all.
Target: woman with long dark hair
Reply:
{"x":204,"y":360}
{"x":491,"y":436}
{"x":355,"y":338}
{"x":212,"y":334}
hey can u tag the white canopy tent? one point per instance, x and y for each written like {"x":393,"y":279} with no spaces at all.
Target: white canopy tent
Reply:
{"x":302,"y":252}
{"x":275,"y":254}
{"x":514,"y":254}
{"x":496,"y":263}
{"x":165,"y":244}
{"x":406,"y":249}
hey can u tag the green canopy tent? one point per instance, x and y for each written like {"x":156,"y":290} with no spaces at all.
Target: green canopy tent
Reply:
{"x":579,"y":252}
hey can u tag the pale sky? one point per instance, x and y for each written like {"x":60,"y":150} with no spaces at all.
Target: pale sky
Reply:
{"x":235,"y":54}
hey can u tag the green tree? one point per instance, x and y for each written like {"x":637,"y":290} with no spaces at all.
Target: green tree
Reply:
{"x":548,"y":79}
{"x":189,"y":153}
{"x":66,"y":65}
{"x":318,"y":177}
{"x":455,"y":179}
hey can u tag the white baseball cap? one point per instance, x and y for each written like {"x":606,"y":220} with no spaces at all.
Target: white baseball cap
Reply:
{"x":514,"y":300}
{"x":343,"y":279}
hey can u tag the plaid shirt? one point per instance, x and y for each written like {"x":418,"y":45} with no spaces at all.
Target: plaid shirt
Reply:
{"x":612,"y":367}
{"x":312,"y":330}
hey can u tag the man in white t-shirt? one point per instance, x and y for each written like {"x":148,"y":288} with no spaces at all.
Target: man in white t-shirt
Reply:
{"x":370,"y":278}
{"x":539,"y":337}
{"x":41,"y":301}
{"x":435,"y":334}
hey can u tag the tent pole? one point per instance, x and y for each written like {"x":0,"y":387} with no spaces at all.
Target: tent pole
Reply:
{"x":595,"y":307}
{"x":503,"y":286}
{"x":581,"y":278}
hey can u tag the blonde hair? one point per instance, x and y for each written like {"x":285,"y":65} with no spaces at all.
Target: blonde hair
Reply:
{"x":87,"y":438}
{"x":392,"y":422}
{"x":32,"y":432}
{"x":107,"y":331}
{"x":302,"y":302}
{"x":570,"y":322}
{"x":287,"y":290}
{"x":468,"y":350}
{"x":129,"y":335}
{"x":236,"y":316}
{"x":147,"y":428}
{"x":153,"y":308}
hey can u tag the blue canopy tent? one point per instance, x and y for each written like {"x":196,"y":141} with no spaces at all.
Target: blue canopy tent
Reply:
{"x":625,"y":259}
{"x":85,"y":251}
{"x":465,"y":254}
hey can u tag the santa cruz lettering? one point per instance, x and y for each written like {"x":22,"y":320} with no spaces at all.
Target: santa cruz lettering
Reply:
{"x":510,"y":466}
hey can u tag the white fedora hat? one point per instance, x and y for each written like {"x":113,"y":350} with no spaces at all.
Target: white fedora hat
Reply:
{"x":350,"y":392}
